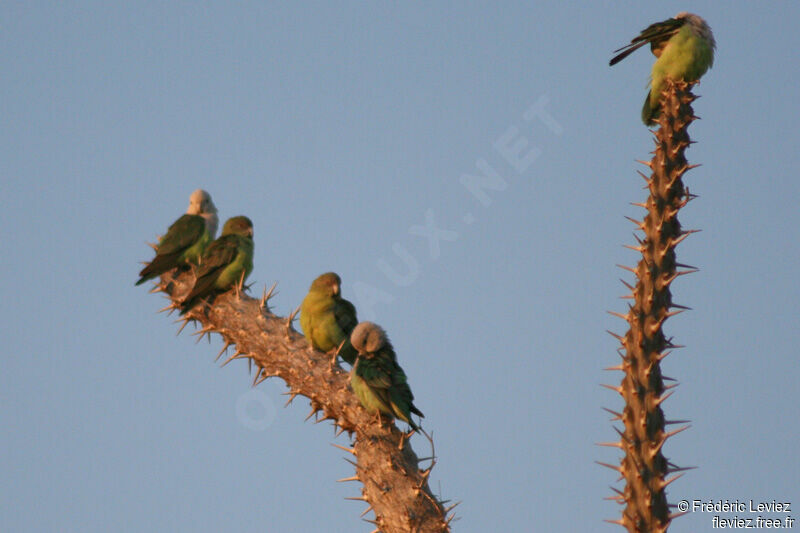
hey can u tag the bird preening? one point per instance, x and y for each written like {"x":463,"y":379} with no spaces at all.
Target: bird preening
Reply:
{"x":328,"y":321}
{"x":684,"y":49}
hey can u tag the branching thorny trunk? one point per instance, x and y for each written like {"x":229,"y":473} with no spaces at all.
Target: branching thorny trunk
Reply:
{"x":644,"y":467}
{"x":394,"y":486}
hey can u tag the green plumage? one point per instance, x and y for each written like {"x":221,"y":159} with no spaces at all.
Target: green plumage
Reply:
{"x":376,"y":378}
{"x":184,"y":243}
{"x":186,"y":239}
{"x":684,"y":48}
{"x":326,"y":318}
{"x":224,"y":263}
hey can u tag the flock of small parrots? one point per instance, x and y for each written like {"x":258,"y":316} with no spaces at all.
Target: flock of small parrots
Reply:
{"x":684,"y":48}
{"x":328,"y":321}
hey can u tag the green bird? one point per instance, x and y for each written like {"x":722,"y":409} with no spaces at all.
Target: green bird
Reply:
{"x":326,"y":318}
{"x":376,"y":378}
{"x":227,"y":260}
{"x":684,"y":48}
{"x":186,"y":239}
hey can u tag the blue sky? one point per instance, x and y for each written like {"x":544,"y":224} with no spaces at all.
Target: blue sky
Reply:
{"x":341,"y":131}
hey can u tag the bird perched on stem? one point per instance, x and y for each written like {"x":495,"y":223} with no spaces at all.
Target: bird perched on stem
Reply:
{"x":376,"y":378}
{"x":326,"y":318}
{"x":684,"y":48}
{"x":227,"y":261}
{"x":186,"y":239}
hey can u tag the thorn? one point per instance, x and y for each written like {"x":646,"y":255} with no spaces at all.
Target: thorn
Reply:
{"x":612,"y":467}
{"x":639,"y":204}
{"x":339,"y":431}
{"x":648,"y":164}
{"x":290,"y":319}
{"x":356,"y":498}
{"x":673,"y":516}
{"x":202,"y":332}
{"x":618,"y":367}
{"x":675,"y":432}
{"x":661,"y":400}
{"x":171,"y":307}
{"x":448,"y":509}
{"x":349,"y":450}
{"x":618,"y":522}
{"x":673,"y":468}
{"x":368,"y":509}
{"x":620,"y":315}
{"x":628,"y":285}
{"x":638,"y":223}
{"x":668,"y":387}
{"x":663,"y":355}
{"x":684,"y":272}
{"x":156,"y":288}
{"x":425,"y":474}
{"x":676,"y":242}
{"x":617,"y":416}
{"x":239,"y":287}
{"x":632,"y":247}
{"x":292,"y":396}
{"x":670,"y":480}
{"x":223,"y":350}
{"x":313,"y":412}
{"x":609,"y":444}
{"x":629,"y":269}
{"x":267,"y":294}
{"x":351,"y":478}
{"x":617,"y":389}
{"x":618,"y":337}
{"x":185,"y":321}
{"x":153,"y":246}
{"x":237,"y":355}
{"x":261,"y":376}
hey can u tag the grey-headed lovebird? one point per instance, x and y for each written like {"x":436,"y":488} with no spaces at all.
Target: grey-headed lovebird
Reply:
{"x":684,"y":48}
{"x":186,"y":239}
{"x":326,"y":318}
{"x":376,"y":378}
{"x":227,"y":261}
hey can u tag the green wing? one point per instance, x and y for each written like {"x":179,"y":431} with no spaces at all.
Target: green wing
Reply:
{"x":345,"y":314}
{"x":183,"y":242}
{"x":327,"y":321}
{"x":219,"y":255}
{"x":657,"y":34}
{"x":387,"y":386}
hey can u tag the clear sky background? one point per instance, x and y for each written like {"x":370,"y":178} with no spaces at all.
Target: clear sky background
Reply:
{"x":338,"y":130}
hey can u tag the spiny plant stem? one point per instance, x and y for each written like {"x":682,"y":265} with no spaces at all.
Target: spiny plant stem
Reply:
{"x":644,"y":467}
{"x":393,"y":484}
